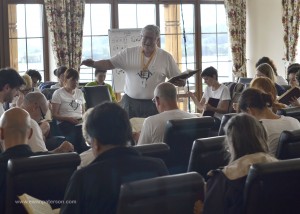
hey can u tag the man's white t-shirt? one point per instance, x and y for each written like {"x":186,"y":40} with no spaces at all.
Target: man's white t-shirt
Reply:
{"x":154,"y":126}
{"x":161,"y":66}
{"x":222,"y":93}
{"x":70,"y":105}
{"x":275,"y":127}
{"x":36,"y":142}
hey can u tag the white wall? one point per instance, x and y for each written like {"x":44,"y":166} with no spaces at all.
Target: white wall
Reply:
{"x":264,"y":34}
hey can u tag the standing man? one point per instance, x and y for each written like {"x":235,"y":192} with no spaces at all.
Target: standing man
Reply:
{"x":145,"y":67}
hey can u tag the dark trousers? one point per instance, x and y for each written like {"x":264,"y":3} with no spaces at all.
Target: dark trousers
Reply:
{"x":138,"y":107}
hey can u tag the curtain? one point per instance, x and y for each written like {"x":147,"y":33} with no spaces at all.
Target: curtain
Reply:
{"x":290,"y":21}
{"x":236,"y":21}
{"x":65,"y":21}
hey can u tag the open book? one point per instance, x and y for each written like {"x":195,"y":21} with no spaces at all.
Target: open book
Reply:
{"x":137,"y":123}
{"x":214,"y":103}
{"x":36,"y":206}
{"x":184,"y":75}
{"x":287,"y":97}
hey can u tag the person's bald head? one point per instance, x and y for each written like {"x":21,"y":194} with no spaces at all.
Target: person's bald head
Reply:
{"x":15,"y":127}
{"x":165,"y":96}
{"x":36,"y":104}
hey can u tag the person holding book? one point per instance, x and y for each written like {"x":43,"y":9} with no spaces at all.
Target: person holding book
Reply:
{"x":258,"y":104}
{"x":96,"y":187}
{"x":291,"y":74}
{"x":246,"y":139}
{"x":145,"y":67}
{"x":216,"y":92}
{"x":100,"y":76}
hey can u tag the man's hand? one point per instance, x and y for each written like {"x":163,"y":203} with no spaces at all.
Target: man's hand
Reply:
{"x":88,"y":62}
{"x":66,"y":146}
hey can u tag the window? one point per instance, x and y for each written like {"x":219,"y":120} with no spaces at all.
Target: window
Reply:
{"x":95,"y":38}
{"x":26,"y":37}
{"x":215,"y":42}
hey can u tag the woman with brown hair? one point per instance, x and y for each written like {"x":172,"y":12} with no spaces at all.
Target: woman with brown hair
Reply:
{"x":267,"y":86}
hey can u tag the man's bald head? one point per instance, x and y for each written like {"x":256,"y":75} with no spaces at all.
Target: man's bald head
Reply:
{"x":165,"y":96}
{"x":15,"y":126}
{"x":166,"y":91}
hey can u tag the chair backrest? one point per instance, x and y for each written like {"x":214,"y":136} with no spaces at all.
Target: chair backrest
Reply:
{"x":273,"y":188}
{"x":291,"y":112}
{"x":286,"y":87}
{"x":180,"y":135}
{"x":162,"y":195}
{"x":225,"y":119}
{"x":245,"y":80}
{"x":208,"y":154}
{"x":46,"y":84}
{"x":155,"y":150}
{"x":95,"y":95}
{"x":289,"y":145}
{"x":48,"y":92}
{"x":44,"y":177}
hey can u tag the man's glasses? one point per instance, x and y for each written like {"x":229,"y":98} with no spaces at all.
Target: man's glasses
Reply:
{"x":154,"y":99}
{"x":42,"y":114}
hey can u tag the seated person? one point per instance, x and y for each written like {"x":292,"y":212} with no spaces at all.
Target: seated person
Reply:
{"x":36,"y":105}
{"x":246,"y":139}
{"x":96,"y":187}
{"x":24,"y":89}
{"x":214,"y":90}
{"x":165,"y":98}
{"x":291,"y":72}
{"x":265,"y":70}
{"x":68,"y":106}
{"x":35,"y":77}
{"x":15,"y":129}
{"x":267,"y":86}
{"x":258,"y":104}
{"x":100,"y":78}
{"x":278,"y":79}
{"x":59,"y":72}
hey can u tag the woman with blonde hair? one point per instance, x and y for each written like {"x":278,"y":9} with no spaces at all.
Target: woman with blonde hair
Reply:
{"x":265,"y":70}
{"x":246,"y":139}
{"x":267,"y":86}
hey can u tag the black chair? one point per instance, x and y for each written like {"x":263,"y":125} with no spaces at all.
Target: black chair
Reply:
{"x":224,"y":120}
{"x":48,"y":92}
{"x":44,"y":177}
{"x":180,"y":135}
{"x":291,"y":112}
{"x":174,"y":194}
{"x":289,"y":145}
{"x":273,"y":188}
{"x":286,"y":87}
{"x":95,"y":95}
{"x":208,"y":154}
{"x":155,"y":150}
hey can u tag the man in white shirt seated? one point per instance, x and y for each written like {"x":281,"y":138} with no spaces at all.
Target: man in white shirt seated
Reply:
{"x":35,"y":103}
{"x":165,"y":99}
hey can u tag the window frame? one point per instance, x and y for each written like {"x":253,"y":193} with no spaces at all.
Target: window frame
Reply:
{"x":4,"y":38}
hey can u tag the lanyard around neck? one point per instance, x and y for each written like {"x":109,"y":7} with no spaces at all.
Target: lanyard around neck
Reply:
{"x":145,"y":66}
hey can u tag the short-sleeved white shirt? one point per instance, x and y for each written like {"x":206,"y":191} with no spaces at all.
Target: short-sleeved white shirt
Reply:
{"x":70,"y":104}
{"x":274,"y":128}
{"x":153,"y":129}
{"x":162,"y":66}
{"x":222,"y":93}
{"x":36,"y":142}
